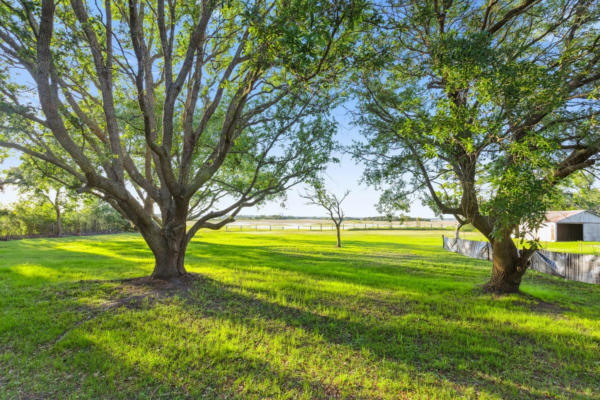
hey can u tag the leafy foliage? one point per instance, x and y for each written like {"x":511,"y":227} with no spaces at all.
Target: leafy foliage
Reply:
{"x":483,"y":109}
{"x":172,"y":110}
{"x":30,"y":217}
{"x":579,"y":191}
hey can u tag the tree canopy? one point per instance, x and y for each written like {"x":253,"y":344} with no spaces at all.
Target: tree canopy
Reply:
{"x":174,"y":110}
{"x":485,"y":108}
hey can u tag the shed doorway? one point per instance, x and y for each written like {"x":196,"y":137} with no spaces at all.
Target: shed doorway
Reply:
{"x":569,"y":232}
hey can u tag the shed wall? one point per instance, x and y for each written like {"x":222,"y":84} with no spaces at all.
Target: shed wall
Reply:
{"x":546,"y":233}
{"x":591,"y":232}
{"x":581,"y":218}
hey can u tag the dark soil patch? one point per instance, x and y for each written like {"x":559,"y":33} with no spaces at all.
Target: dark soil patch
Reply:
{"x":135,"y":293}
{"x":549,"y":308}
{"x":184,"y":282}
{"x":528,"y":301}
{"x":540,"y":306}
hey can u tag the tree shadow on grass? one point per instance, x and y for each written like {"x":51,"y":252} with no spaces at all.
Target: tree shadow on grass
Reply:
{"x":432,"y":355}
{"x":485,"y":348}
{"x":398,"y":320}
{"x":441,"y":272}
{"x":507,"y":361}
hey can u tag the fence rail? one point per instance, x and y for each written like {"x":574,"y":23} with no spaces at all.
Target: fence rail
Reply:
{"x":570,"y":266}
{"x":249,"y":226}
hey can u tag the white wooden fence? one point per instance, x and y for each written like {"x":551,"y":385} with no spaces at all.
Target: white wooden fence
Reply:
{"x":328,"y":226}
{"x":571,"y":266}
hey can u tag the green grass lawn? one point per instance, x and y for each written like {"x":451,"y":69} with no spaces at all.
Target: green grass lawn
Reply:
{"x":286,"y":315}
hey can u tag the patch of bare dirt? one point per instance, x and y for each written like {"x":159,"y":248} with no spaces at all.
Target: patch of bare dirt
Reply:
{"x":159,"y":285}
{"x":134,"y":291}
{"x":530,"y":302}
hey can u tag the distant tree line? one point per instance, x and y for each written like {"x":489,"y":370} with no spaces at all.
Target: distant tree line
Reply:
{"x":32,"y":217}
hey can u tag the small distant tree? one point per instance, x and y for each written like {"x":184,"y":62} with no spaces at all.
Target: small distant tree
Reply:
{"x":42,"y":184}
{"x":332,"y":203}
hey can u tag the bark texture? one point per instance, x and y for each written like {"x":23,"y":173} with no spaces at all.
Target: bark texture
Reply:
{"x":169,"y":265}
{"x":509,"y":266}
{"x":169,"y":245}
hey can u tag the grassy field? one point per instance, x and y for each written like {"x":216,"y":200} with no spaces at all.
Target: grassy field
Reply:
{"x":287,"y":315}
{"x":564,"y":247}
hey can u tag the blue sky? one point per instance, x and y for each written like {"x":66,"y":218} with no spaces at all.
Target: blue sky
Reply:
{"x":339,"y":177}
{"x":345,"y":175}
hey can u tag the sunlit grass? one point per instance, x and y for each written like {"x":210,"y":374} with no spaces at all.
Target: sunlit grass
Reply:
{"x":287,"y":315}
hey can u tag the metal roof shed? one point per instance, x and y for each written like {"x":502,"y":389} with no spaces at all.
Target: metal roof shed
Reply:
{"x":570,"y":225}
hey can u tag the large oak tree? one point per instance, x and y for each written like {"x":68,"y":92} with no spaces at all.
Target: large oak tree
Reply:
{"x":485,"y":107}
{"x":174,"y":110}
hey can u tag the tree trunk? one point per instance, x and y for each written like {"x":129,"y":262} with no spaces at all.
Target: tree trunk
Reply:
{"x":169,"y":253}
{"x":458,"y":226}
{"x":508,"y":267}
{"x":169,"y":263}
{"x":59,"y":228}
{"x":339,"y":238}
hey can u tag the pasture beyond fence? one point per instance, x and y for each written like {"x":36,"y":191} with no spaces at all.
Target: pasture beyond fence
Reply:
{"x":312,"y":225}
{"x":570,"y":266}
